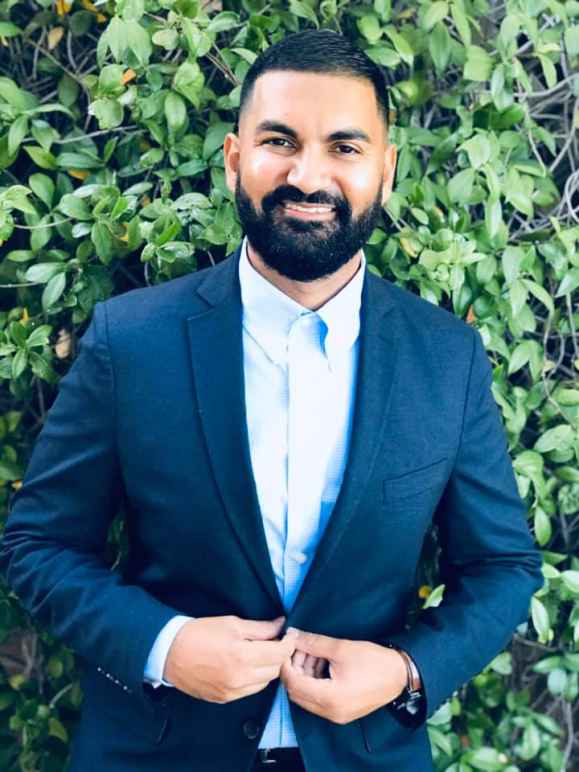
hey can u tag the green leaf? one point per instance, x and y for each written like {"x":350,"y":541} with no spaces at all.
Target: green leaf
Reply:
{"x":479,"y":65}
{"x":541,"y":294}
{"x":461,"y":22}
{"x":189,"y":81}
{"x":435,"y":12}
{"x":304,"y":11}
{"x":518,"y":295}
{"x":214,"y":138}
{"x":68,"y":90}
{"x":549,"y":70}
{"x":540,"y":619}
{"x":383,"y":55}
{"x":517,"y":192}
{"x":222,"y":22}
{"x":401,"y":45}
{"x":56,"y":729}
{"x":133,"y":10}
{"x":369,"y":26}
{"x":571,"y":581}
{"x":9,"y":30}
{"x":567,"y":397}
{"x":116,"y":37}
{"x":493,"y":216}
{"x":435,"y":597}
{"x":543,"y":529}
{"x":75,"y":207}
{"x":569,"y":283}
{"x":520,"y":356}
{"x":43,"y":272}
{"x":41,"y":157}
{"x":439,"y":47}
{"x":20,"y":255}
{"x":460,"y":187}
{"x":16,"y":97}
{"x":19,"y":363}
{"x":108,"y":112}
{"x":78,"y":161}
{"x":53,"y":290}
{"x":139,"y":42}
{"x":175,"y":112}
{"x":39,"y":336}
{"x":558,"y":438}
{"x":43,"y":187}
{"x":478,"y":149}
{"x":485,"y":759}
{"x":571,"y":38}
{"x":18,"y":130}
{"x":103,"y":241}
{"x":511,"y":263}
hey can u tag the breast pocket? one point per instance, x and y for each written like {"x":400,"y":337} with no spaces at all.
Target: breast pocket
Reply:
{"x":413,"y":496}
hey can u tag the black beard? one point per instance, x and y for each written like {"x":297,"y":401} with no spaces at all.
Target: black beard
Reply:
{"x":304,"y":250}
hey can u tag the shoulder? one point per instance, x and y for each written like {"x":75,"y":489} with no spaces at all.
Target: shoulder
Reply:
{"x":162,"y":304}
{"x":419,"y":317}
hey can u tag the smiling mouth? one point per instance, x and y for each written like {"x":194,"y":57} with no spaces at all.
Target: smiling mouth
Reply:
{"x":309,"y":212}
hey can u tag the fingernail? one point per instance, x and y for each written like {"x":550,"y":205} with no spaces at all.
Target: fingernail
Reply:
{"x":292,"y":631}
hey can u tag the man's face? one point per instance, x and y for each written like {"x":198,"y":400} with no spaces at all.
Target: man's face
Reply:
{"x":311,"y":169}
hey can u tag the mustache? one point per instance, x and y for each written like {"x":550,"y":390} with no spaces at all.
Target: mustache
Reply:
{"x":286,"y":193}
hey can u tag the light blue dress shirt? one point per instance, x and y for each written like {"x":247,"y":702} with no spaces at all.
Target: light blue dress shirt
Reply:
{"x":300,"y":371}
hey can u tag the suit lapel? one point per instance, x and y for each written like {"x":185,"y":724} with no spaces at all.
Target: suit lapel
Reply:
{"x":216,"y":343}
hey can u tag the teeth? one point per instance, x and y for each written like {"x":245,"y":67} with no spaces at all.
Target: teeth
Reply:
{"x":317,"y":209}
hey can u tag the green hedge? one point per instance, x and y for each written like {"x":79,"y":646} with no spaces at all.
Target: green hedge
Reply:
{"x":112,"y":119}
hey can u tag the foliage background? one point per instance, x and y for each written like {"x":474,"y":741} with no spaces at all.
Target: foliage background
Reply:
{"x":112,"y":117}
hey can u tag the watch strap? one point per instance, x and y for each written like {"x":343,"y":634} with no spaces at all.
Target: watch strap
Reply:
{"x":411,"y":695}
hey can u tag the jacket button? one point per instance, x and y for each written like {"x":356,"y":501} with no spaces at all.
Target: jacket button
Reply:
{"x":251,"y":729}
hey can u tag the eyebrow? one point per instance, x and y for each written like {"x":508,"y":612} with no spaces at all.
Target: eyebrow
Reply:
{"x":343,"y":134}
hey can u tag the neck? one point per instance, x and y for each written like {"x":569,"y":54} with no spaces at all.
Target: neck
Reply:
{"x":310,"y":294}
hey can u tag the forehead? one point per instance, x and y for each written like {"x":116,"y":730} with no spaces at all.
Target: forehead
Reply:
{"x":310,"y":101}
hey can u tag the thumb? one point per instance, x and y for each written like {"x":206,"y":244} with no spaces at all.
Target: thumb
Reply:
{"x":262,"y":631}
{"x":317,"y":645}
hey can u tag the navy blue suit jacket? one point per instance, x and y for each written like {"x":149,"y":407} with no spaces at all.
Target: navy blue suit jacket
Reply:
{"x":152,"y":414}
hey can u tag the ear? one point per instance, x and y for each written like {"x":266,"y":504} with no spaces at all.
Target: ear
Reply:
{"x":390,"y":155}
{"x":231,"y":156}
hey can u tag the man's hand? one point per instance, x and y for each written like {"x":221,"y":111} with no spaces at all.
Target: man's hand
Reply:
{"x":363,"y":677}
{"x":220,"y":659}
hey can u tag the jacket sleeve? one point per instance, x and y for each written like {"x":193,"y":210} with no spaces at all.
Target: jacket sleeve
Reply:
{"x":53,"y":542}
{"x":489,"y":563}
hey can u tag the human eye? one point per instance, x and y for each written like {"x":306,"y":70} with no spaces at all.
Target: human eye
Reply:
{"x":347,"y":149}
{"x":274,"y":140}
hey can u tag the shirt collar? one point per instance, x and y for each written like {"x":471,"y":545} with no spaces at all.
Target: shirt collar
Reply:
{"x":268,"y":313}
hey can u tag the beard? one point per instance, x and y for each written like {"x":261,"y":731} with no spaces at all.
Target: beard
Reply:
{"x":305,"y":250}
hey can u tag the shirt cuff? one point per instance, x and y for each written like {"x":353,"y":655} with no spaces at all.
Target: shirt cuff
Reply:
{"x":158,"y":655}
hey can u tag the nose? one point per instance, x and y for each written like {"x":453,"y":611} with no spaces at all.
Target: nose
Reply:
{"x":309,"y":171}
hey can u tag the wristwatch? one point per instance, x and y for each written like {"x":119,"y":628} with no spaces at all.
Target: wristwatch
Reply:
{"x":410,"y":697}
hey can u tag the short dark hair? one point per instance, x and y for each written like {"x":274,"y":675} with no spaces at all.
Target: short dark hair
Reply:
{"x":322,"y":51}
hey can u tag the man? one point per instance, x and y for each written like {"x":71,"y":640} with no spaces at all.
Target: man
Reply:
{"x":283,"y":429}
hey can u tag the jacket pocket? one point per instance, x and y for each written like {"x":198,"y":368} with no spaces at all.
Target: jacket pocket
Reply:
{"x":416,"y":481}
{"x":123,"y":713}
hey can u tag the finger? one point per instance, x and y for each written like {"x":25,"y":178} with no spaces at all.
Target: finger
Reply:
{"x":318,"y":645}
{"x":298,"y":659}
{"x":309,"y":665}
{"x":261,"y":631}
{"x":319,"y":691}
{"x":267,"y":652}
{"x":320,"y":667}
{"x":262,"y":673}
